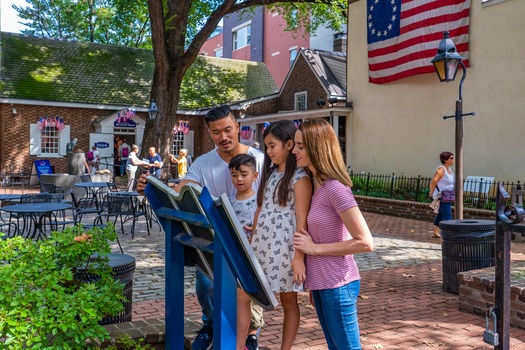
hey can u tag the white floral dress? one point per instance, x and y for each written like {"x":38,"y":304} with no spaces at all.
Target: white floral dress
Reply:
{"x":272,"y":240}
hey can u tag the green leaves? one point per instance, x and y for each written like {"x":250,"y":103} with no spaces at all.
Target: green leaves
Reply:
{"x":42,"y":304}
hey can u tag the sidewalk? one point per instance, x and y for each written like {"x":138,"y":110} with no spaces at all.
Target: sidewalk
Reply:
{"x":401,"y":304}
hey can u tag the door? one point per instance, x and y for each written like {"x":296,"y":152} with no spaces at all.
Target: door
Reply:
{"x":104,"y":143}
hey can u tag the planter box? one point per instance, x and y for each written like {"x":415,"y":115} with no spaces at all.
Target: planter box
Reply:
{"x":476,"y":292}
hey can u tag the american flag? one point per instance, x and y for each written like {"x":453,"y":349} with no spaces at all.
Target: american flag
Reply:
{"x":403,"y":35}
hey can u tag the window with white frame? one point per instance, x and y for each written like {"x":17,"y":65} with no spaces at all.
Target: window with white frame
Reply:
{"x":178,"y":143}
{"x":300,"y":101}
{"x":242,"y":36}
{"x":218,"y":52}
{"x":48,"y":141}
{"x":293,"y":55}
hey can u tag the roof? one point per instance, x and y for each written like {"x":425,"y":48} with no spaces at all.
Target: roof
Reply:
{"x":80,"y":72}
{"x":330,"y":69}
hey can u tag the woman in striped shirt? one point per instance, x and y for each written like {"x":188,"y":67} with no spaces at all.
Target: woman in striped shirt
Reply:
{"x":336,"y":231}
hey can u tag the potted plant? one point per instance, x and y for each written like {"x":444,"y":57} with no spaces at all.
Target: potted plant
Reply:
{"x":44,"y":302}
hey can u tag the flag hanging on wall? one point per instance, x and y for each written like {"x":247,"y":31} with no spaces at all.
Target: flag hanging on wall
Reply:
{"x":403,"y":35}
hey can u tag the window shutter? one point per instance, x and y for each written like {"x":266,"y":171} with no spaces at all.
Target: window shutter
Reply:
{"x":188,"y":142}
{"x":35,"y":140}
{"x":64,"y":139}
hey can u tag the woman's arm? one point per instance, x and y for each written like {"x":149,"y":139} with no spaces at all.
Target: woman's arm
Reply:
{"x":173,"y":159}
{"x":440,"y":172}
{"x":303,"y":197}
{"x":355,"y":223}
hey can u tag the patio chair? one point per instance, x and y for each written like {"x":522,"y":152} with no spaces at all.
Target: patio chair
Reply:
{"x":85,"y":178}
{"x":51,"y":188}
{"x":112,"y":187}
{"x":83,"y":206}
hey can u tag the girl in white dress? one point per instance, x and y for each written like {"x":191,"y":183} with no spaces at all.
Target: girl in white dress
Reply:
{"x":283,"y":201}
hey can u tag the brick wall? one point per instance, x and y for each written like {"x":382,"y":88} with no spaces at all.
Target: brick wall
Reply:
{"x":477,"y":287}
{"x":412,"y":210}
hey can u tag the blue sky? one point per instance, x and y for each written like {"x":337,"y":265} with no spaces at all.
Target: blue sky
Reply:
{"x":9,"y":19}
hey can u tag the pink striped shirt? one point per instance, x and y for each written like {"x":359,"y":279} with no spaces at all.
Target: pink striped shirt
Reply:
{"x":325,"y":226}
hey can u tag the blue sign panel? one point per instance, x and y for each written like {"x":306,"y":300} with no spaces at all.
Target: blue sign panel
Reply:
{"x":102,"y":144}
{"x":125,"y":123}
{"x":43,"y":167}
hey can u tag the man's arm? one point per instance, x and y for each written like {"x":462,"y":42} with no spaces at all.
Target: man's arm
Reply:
{"x":143,"y":181}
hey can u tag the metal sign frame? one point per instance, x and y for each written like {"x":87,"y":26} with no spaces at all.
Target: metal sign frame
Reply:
{"x":205,"y":231}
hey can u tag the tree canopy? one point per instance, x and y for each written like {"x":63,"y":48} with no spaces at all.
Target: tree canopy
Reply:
{"x":118,"y":22}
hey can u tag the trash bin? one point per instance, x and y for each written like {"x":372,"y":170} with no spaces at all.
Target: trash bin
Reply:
{"x":467,"y":244}
{"x":122,"y":266}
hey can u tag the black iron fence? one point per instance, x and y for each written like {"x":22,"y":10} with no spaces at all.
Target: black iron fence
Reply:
{"x":478,"y":193}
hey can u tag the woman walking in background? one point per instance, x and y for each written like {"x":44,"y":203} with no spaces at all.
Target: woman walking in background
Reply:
{"x":336,"y":231}
{"x":443,"y":180}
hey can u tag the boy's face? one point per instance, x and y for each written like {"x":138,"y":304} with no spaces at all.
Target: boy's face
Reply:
{"x":243,"y":178}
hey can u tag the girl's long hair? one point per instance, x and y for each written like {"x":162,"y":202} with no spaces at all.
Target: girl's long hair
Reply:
{"x":323,"y":149}
{"x":284,"y":131}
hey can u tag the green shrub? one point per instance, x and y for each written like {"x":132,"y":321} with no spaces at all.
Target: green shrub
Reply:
{"x":126,"y":343}
{"x":44,"y":301}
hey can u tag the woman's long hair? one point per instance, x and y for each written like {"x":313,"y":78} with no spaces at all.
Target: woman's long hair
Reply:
{"x":284,"y":131}
{"x":323,"y":149}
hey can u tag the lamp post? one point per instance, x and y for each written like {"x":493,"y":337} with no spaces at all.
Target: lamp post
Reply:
{"x":446,"y":62}
{"x":153,"y":112}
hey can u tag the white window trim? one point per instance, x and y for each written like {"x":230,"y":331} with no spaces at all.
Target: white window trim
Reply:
{"x":245,"y":24}
{"x":35,"y":142}
{"x":217,"y":49}
{"x":301,"y":93}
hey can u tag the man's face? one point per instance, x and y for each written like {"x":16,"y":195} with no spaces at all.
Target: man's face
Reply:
{"x":151,"y":151}
{"x":224,"y":133}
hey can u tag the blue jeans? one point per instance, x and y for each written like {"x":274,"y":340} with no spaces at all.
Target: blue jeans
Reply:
{"x":337,"y":312}
{"x":204,"y":290}
{"x":123,"y":166}
{"x":445,"y":213}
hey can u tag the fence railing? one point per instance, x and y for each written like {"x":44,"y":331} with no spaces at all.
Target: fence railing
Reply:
{"x":479,"y":193}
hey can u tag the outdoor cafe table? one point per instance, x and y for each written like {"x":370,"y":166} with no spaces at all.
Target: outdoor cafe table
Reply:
{"x":37,"y":213}
{"x":93,"y":188}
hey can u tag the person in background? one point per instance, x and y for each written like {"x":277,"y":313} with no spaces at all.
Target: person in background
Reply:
{"x":283,"y":200}
{"x":182,"y":162}
{"x":443,"y":180}
{"x":336,"y":231}
{"x":211,"y":170}
{"x":155,"y":162}
{"x":94,"y":158}
{"x":243,"y":171}
{"x":132,"y":165}
{"x":123,"y":151}
{"x":116,"y":159}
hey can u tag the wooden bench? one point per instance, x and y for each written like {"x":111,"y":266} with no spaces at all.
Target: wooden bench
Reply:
{"x":516,"y":197}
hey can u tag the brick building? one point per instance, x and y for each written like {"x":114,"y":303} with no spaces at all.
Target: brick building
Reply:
{"x":315,"y":87}
{"x":92,"y":88}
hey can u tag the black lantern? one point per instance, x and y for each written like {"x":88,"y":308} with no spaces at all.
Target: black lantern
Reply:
{"x":447,"y":59}
{"x":153,"y":111}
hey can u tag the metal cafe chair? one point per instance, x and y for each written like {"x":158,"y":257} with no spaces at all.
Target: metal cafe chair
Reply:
{"x":83,"y":206}
{"x":112,"y":187}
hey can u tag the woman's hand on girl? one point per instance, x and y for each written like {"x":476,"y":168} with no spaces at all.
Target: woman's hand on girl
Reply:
{"x":303,"y":242}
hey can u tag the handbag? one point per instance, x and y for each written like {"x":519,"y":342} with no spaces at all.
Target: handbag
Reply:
{"x":447,"y":196}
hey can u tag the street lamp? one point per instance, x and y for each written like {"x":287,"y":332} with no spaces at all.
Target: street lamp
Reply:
{"x":446,"y":63}
{"x":153,"y":112}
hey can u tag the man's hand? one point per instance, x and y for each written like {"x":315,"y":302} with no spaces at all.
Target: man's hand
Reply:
{"x":142,"y":182}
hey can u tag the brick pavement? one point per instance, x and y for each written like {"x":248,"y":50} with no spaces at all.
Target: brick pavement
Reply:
{"x":401,"y":304}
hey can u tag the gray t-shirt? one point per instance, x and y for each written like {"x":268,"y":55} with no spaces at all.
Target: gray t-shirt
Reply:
{"x":245,"y":211}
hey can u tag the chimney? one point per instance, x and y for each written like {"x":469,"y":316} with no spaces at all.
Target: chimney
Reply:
{"x":340,"y":42}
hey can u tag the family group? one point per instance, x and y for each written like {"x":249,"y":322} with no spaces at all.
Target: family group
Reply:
{"x":301,"y":218}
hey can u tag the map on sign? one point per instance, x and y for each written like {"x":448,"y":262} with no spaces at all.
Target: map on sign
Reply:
{"x":185,"y":211}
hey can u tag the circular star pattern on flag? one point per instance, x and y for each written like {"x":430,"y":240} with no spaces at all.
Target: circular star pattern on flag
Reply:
{"x":382,"y":7}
